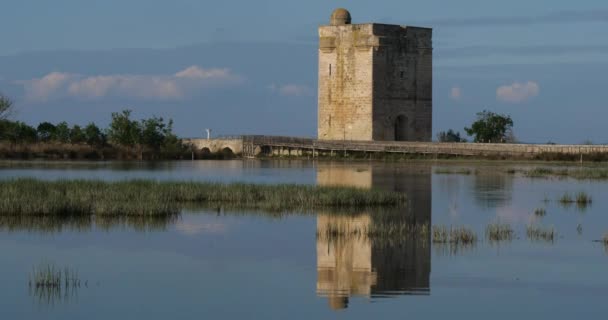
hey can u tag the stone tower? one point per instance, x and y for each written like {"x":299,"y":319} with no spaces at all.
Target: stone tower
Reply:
{"x":375,"y":81}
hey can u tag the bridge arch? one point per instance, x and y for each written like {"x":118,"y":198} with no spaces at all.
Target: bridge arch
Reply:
{"x":227,"y":152}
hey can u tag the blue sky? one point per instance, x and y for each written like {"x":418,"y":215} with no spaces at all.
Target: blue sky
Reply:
{"x":250,"y":66}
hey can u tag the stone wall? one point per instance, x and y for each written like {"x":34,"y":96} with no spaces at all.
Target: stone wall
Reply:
{"x":403,"y":84}
{"x":372,"y":78}
{"x":345,"y":82}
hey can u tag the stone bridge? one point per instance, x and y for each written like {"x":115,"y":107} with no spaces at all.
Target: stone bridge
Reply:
{"x":255,"y":145}
{"x":232,"y":145}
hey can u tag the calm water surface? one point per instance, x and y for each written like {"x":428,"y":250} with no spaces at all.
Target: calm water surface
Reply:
{"x":240,"y":265}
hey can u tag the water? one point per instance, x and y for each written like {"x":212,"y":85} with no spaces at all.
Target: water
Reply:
{"x":230,"y":265}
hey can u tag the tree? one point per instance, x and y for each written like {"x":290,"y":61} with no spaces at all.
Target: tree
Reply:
{"x":62,"y":132}
{"x":153,"y":132}
{"x":77,"y":135}
{"x":46,"y":131}
{"x":490,"y":127}
{"x":123,"y":130}
{"x":172,"y":145}
{"x":6,"y":107}
{"x":17,"y":131}
{"x":93,"y":135}
{"x":450,"y":136}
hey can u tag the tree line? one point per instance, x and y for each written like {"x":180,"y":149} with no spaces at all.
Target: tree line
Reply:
{"x":153,"y":134}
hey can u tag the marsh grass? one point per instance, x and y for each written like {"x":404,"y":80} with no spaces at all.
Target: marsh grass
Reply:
{"x":376,"y":230}
{"x":537,"y":233}
{"x":50,"y":284}
{"x":579,"y":174}
{"x":51,"y":224}
{"x":499,"y":232}
{"x":463,"y":171}
{"x":581,"y":199}
{"x":540,"y":212}
{"x":566,"y":199}
{"x":149,"y":198}
{"x":453,"y":235}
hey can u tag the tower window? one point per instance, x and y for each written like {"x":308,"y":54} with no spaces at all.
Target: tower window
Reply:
{"x":330,"y":69}
{"x":402,"y":74}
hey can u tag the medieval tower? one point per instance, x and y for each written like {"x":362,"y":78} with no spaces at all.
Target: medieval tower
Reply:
{"x":375,"y":81}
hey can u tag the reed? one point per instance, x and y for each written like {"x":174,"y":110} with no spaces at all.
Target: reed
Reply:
{"x":499,"y":232}
{"x":591,"y":173}
{"x":453,"y":235}
{"x":583,"y":198}
{"x":540,"y":212}
{"x":148,"y":198}
{"x":566,"y":199}
{"x":374,"y":230}
{"x":50,"y":284}
{"x":47,"y":275}
{"x":463,"y":171}
{"x":538,"y":233}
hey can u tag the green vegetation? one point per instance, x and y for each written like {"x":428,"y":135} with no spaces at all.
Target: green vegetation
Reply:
{"x":50,"y":224}
{"x":499,"y":232}
{"x":453,"y":171}
{"x":581,"y":199}
{"x":6,"y":107}
{"x":50,"y":284}
{"x":580,"y":174}
{"x":148,"y":198}
{"x":566,"y":199}
{"x":540,"y":212}
{"x":149,"y":138}
{"x":491,"y":127}
{"x":457,"y":235}
{"x":450,"y":136}
{"x":538,"y":233}
{"x":47,"y":275}
{"x":377,"y":231}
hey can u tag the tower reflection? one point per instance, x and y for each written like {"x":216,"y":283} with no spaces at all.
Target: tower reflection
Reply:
{"x":351,"y":261}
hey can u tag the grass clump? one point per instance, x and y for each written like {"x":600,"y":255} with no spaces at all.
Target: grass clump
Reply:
{"x":538,"y":233}
{"x":382,"y":232}
{"x":148,"y":197}
{"x":453,"y":235}
{"x":464,"y":171}
{"x":579,"y":174}
{"x":50,"y":284}
{"x":583,"y":198}
{"x":566,"y":199}
{"x":48,"y":275}
{"x":540,"y":212}
{"x":499,"y":232}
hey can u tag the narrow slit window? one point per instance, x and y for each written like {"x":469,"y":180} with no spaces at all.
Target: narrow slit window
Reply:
{"x":402,"y":74}
{"x":330,"y":69}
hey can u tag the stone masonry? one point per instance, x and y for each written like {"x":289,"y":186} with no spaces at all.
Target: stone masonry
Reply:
{"x":375,"y":81}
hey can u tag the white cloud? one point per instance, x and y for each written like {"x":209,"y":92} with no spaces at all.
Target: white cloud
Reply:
{"x":517,"y":92}
{"x":158,"y":87}
{"x":456,"y":93}
{"x":45,"y":88}
{"x":295,"y":90}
